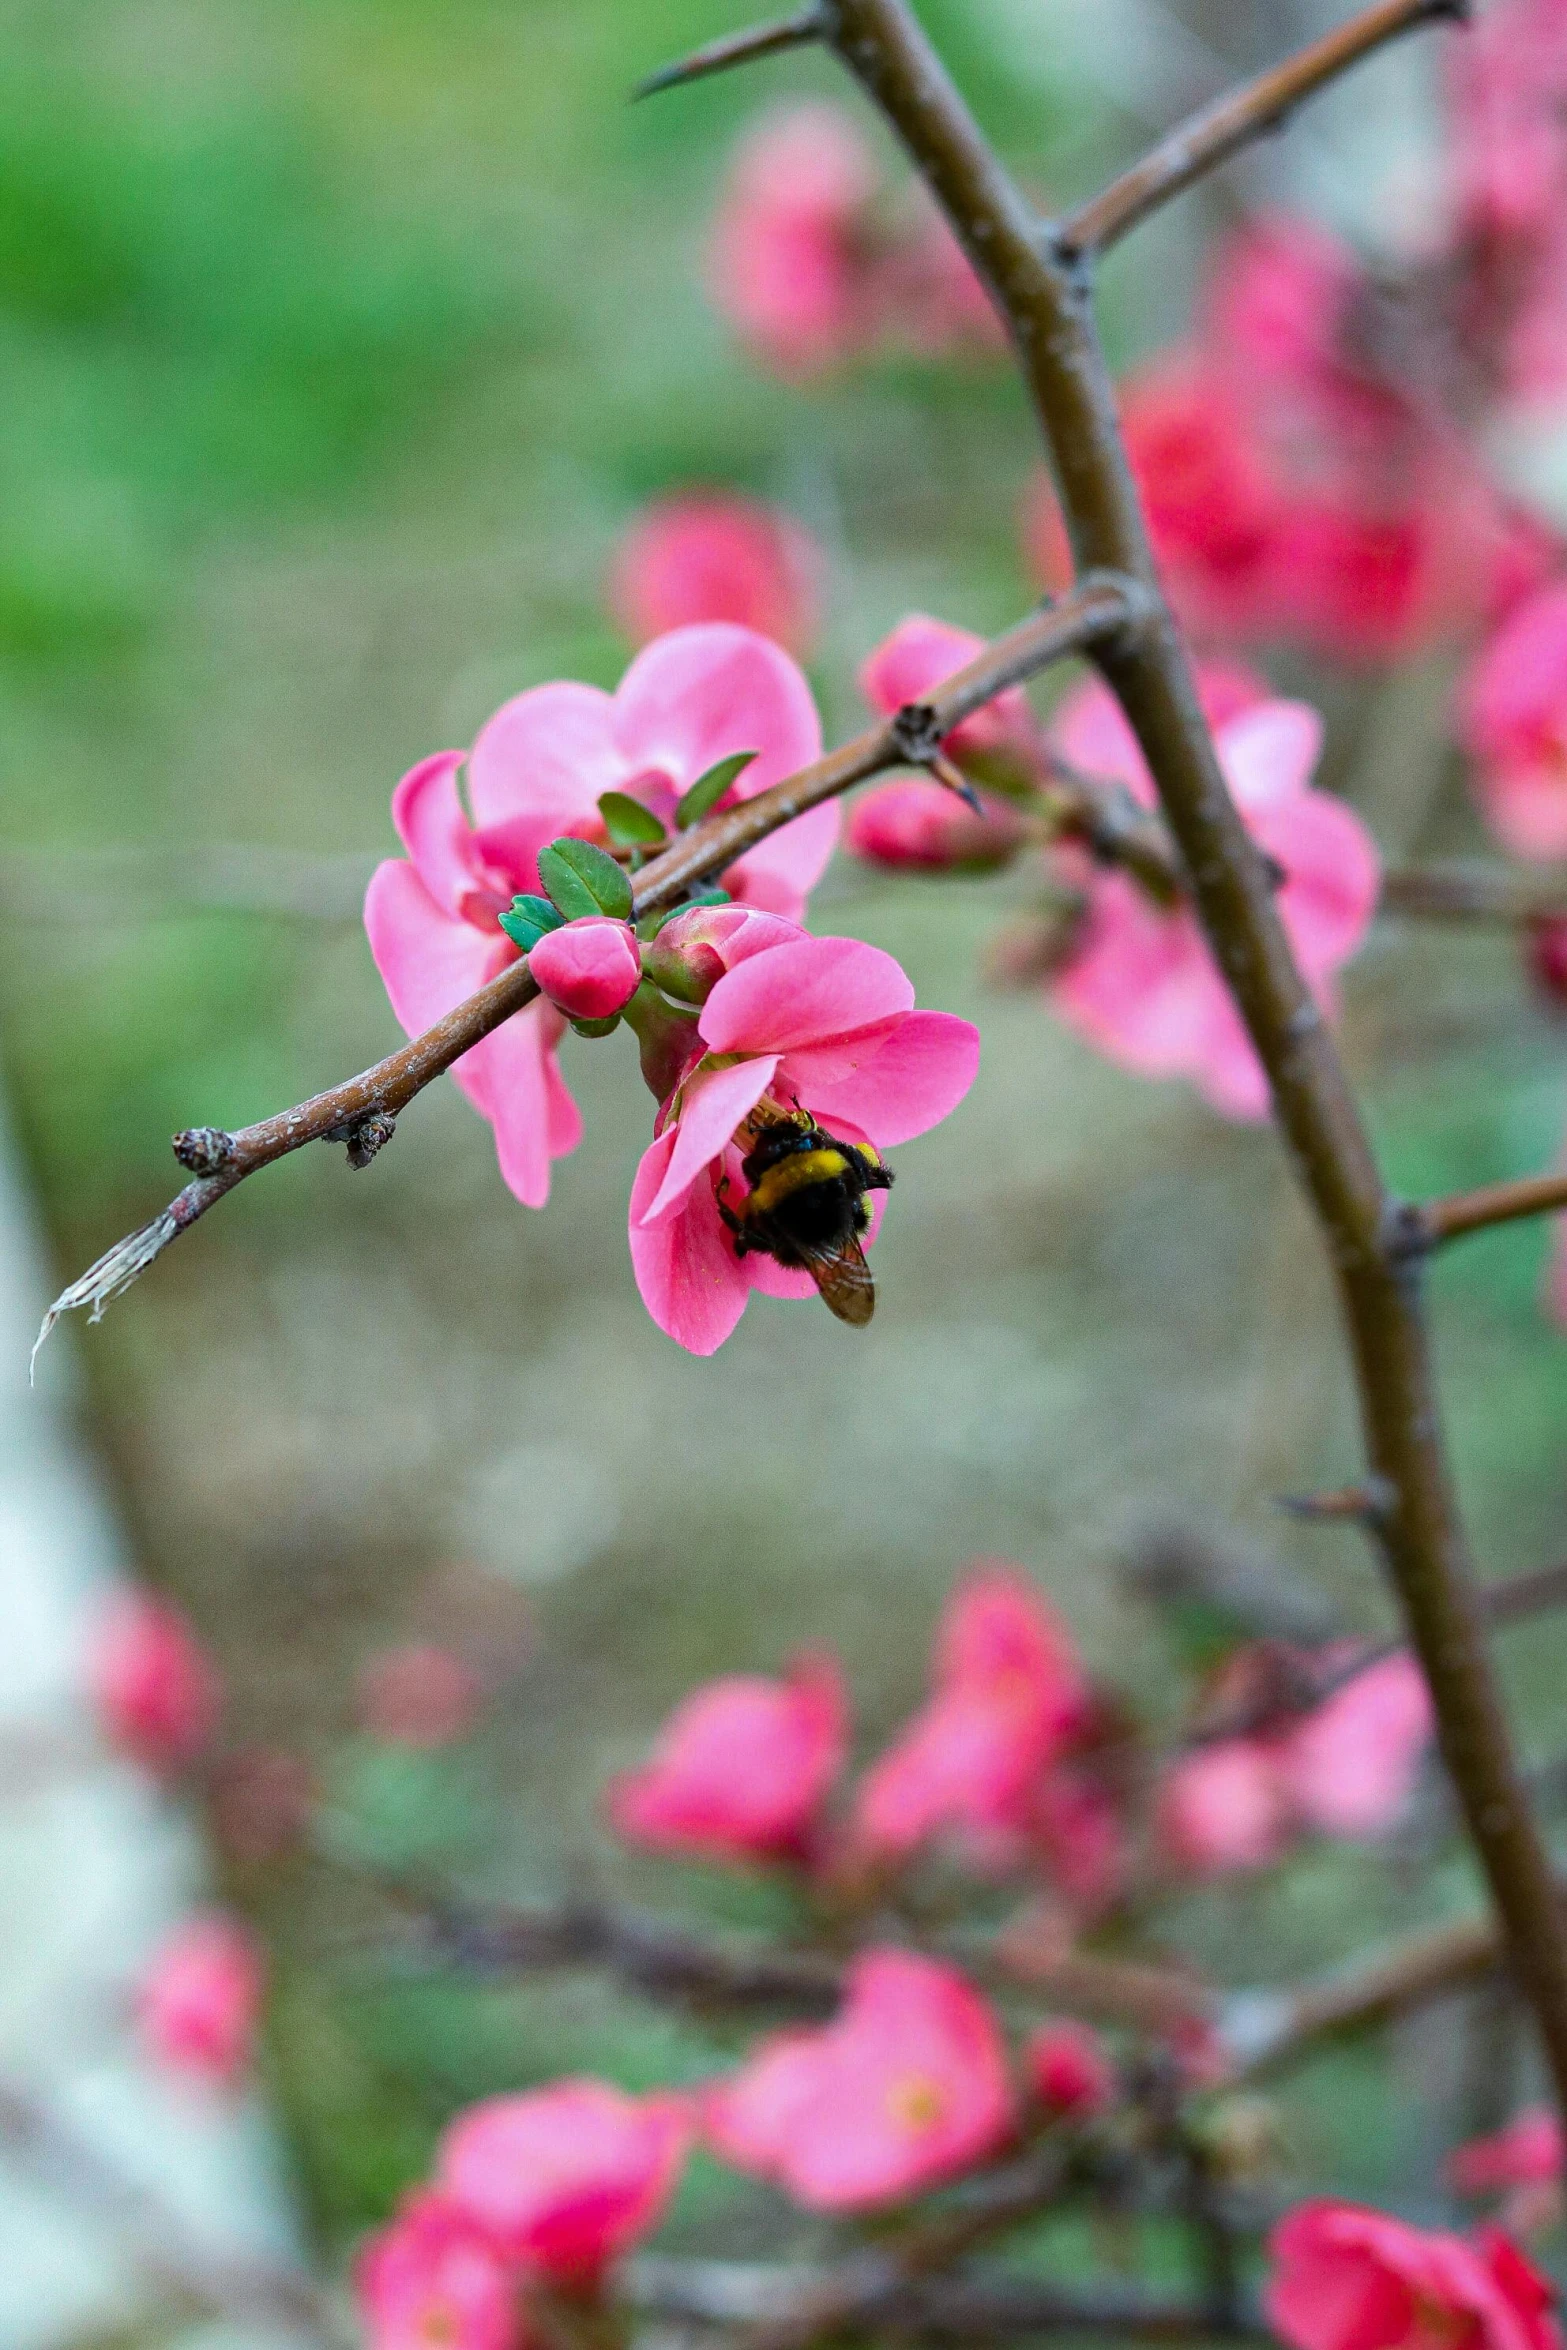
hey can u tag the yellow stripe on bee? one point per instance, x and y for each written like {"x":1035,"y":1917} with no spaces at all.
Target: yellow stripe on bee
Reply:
{"x":794,"y":1174}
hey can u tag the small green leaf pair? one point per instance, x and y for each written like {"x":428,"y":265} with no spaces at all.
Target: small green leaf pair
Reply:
{"x":631,"y":826}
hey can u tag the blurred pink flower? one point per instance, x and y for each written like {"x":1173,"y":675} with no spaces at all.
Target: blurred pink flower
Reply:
{"x":419,"y":1694}
{"x":590,"y":969}
{"x":1009,"y":1692}
{"x":1067,"y":2069}
{"x":922,"y":825}
{"x":156,"y":1689}
{"x":1222,"y":1808}
{"x":714,"y":555}
{"x":199,"y":2002}
{"x":1214,"y":512}
{"x":906,"y":2088}
{"x":1347,"y":1768}
{"x":790,"y":264}
{"x":742,"y":1767}
{"x":1513,"y":724}
{"x":1527,"y":2153}
{"x":1047,"y":550}
{"x":1142,"y":986}
{"x":564,"y":2180}
{"x":1347,"y":2278}
{"x":928,"y":296}
{"x":432,"y":2280}
{"x":999,"y":743}
{"x":1351,"y":1765}
{"x":827,"y":1024}
{"x":535,"y":773}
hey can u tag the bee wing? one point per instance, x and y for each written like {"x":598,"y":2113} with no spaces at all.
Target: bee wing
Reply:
{"x":843,"y":1280}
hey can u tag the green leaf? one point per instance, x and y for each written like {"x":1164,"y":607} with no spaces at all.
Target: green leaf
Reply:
{"x":628,"y":823}
{"x":710,"y":788}
{"x":527,"y":919}
{"x":582,"y":879}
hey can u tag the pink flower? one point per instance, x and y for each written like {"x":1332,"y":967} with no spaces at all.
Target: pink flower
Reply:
{"x":199,"y":2003}
{"x":790,"y":265}
{"x":1513,"y":724}
{"x":927,"y":294}
{"x":1346,"y":2278}
{"x":714,"y":555}
{"x":432,"y":2280}
{"x":907,"y":2087}
{"x":535,"y":773}
{"x":1142,"y":986}
{"x":923,"y":825}
{"x":1000,"y":743}
{"x":1046,"y":548}
{"x":155,"y":1687}
{"x":1067,"y":2069}
{"x":1222,"y":1807}
{"x":1351,"y":1764}
{"x":1527,"y":2153}
{"x":419,"y":1695}
{"x":1347,"y":1768}
{"x":566,"y":2179}
{"x":742,"y":1767}
{"x":590,"y":969}
{"x":1009,"y":1693}
{"x":823,"y":1024}
{"x":1214,"y":511}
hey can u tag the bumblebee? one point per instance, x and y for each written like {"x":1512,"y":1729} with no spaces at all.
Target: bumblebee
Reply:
{"x":806,"y":1206}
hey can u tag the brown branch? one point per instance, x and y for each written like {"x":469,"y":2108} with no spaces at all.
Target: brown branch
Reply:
{"x":1044,"y":300}
{"x":1464,"y":892}
{"x":1439,"y":1220}
{"x":1097,"y":608}
{"x":744,"y":2293}
{"x":1209,"y":137}
{"x":1265,"y":2030}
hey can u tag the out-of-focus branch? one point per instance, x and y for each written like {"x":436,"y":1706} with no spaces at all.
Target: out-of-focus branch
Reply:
{"x":1464,"y":892}
{"x":1265,"y":2030}
{"x":716,"y":2292}
{"x":360,"y":1111}
{"x":1209,"y":137}
{"x":156,"y":2239}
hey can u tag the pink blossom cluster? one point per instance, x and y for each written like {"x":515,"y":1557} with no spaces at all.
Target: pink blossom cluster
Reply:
{"x":1345,"y":1768}
{"x":813,"y":266}
{"x":715,"y":555}
{"x":1138,"y":981}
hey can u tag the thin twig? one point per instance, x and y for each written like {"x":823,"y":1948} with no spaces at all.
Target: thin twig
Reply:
{"x":1045,"y":300}
{"x":1439,"y":1220}
{"x":1094,"y":610}
{"x":1209,"y":137}
{"x":1463,"y":892}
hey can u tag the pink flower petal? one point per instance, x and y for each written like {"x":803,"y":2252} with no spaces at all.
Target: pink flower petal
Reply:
{"x":512,"y":1079}
{"x":713,"y":1105}
{"x":428,"y":813}
{"x":1333,"y":877}
{"x":695,"y":696}
{"x":554,"y":746}
{"x":807,"y":994}
{"x":428,"y":960}
{"x":917,"y":1078}
{"x":1268,"y":752}
{"x":690,"y":1279}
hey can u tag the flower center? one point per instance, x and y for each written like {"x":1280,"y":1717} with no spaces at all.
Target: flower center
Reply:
{"x":916,"y":2101}
{"x":438,"y":2326}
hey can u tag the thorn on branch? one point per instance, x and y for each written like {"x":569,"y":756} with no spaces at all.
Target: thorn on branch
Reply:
{"x":951,"y":777}
{"x":762,"y":40}
{"x":203,"y":1150}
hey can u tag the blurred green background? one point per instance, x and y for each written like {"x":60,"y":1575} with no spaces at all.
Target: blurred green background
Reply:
{"x":340,"y":339}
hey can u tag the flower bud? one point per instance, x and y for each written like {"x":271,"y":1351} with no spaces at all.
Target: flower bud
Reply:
{"x":1066,"y":2067}
{"x":691,"y":953}
{"x":920,"y":824}
{"x":1547,"y":954}
{"x":590,"y":969}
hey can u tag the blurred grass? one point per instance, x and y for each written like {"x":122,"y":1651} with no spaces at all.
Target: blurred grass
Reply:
{"x":339,"y":341}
